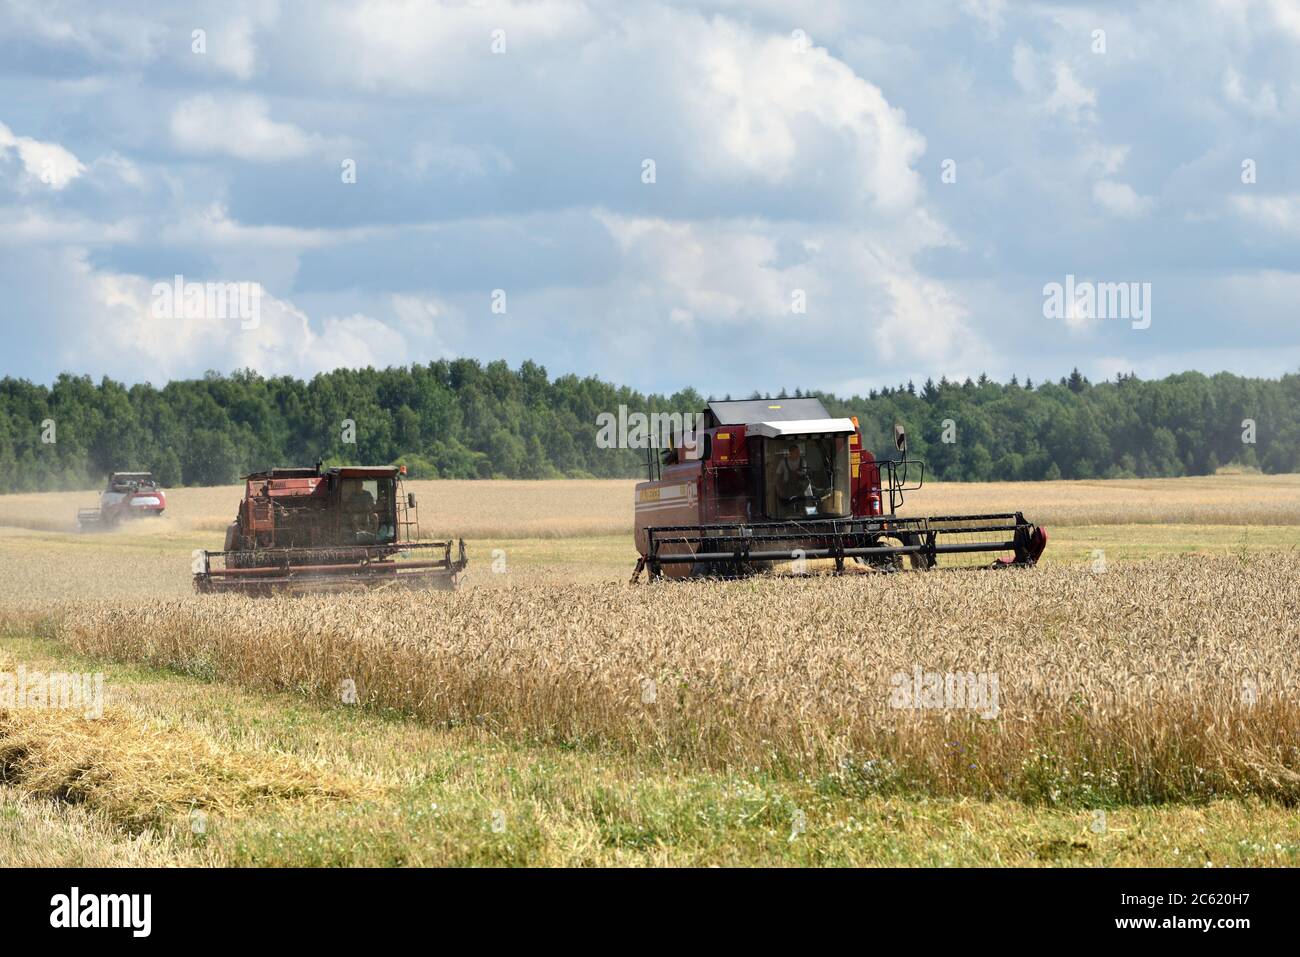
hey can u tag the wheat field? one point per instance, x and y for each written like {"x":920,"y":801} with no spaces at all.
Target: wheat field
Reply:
{"x":555,"y":509}
{"x":574,"y":533}
{"x":469,"y":509}
{"x":1151,"y":681}
{"x":1164,"y":675}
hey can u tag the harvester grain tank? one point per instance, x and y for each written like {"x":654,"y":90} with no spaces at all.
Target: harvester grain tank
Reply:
{"x":770,"y":481}
{"x":128,"y":495}
{"x":319,"y":529}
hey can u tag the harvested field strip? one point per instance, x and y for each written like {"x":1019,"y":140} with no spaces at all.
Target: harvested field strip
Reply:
{"x":35,"y":832}
{"x":1155,"y":681}
{"x":144,"y":774}
{"x":443,"y":789}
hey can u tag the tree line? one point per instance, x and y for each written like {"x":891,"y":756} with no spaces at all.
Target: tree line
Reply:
{"x":463,"y":419}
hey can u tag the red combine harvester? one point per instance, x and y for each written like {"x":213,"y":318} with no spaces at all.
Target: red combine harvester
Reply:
{"x":778,"y":480}
{"x":128,"y":495}
{"x":337,"y":529}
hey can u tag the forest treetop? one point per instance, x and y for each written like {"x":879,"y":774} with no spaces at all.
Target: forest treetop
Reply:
{"x":461,"y":419}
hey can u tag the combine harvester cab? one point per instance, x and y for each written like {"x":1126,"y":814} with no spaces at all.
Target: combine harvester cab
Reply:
{"x":779,"y":480}
{"x":129,"y":495}
{"x":337,"y":529}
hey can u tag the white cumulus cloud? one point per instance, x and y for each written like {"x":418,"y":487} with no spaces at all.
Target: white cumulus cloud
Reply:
{"x":1120,"y":199}
{"x":238,"y":126}
{"x":44,"y":164}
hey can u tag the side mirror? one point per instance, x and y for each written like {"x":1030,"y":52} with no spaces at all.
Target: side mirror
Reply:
{"x":410,"y":500}
{"x":900,"y":438}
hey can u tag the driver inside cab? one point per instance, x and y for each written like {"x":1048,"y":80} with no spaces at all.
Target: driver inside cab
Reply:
{"x":359,"y":507}
{"x":792,"y":480}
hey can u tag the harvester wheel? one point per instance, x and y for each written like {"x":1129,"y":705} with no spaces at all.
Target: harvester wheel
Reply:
{"x":880,"y":563}
{"x":918,"y":560}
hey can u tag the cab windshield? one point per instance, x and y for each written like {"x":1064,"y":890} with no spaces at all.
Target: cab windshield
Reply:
{"x":806,"y":478}
{"x":368,"y":512}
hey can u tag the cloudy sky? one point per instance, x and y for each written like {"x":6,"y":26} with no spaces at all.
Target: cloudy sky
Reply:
{"x":730,"y":195}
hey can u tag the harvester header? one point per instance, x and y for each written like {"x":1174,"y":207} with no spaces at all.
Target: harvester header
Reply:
{"x":781,"y":480}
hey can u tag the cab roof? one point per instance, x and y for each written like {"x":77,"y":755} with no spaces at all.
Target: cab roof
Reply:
{"x":753,"y":411}
{"x":790,"y":428}
{"x":343,"y":471}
